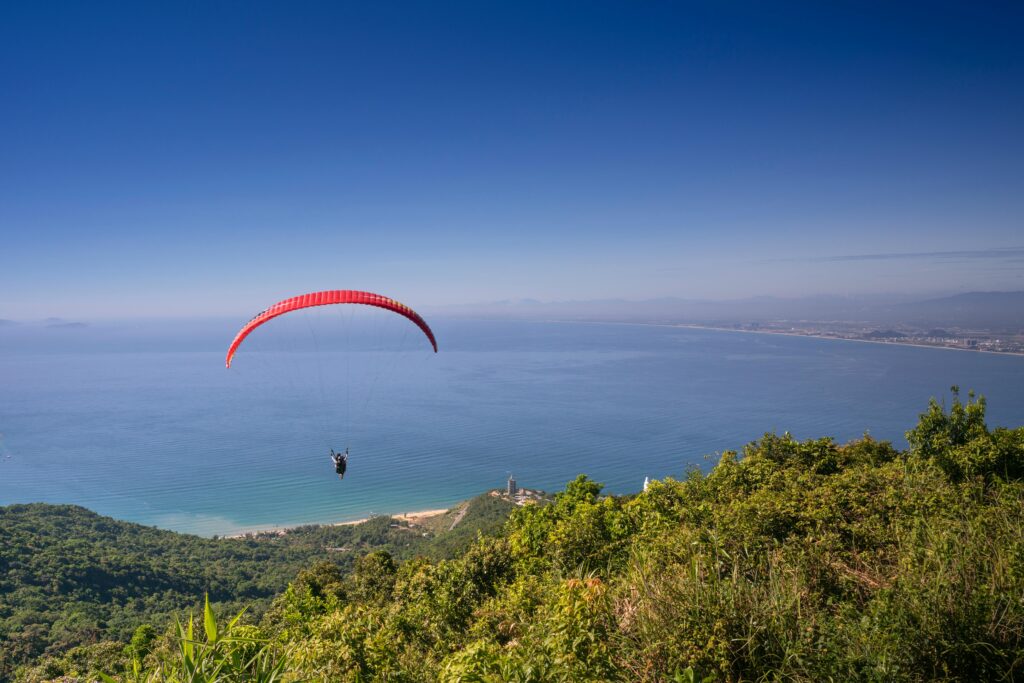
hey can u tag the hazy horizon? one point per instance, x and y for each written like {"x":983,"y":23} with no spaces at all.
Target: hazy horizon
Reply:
{"x":986,"y":310}
{"x":518,"y":307}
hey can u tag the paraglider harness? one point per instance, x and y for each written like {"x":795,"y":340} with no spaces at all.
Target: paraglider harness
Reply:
{"x":340,"y":462}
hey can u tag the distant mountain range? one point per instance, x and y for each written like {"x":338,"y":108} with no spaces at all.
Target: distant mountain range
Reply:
{"x":999,"y":312}
{"x":989,"y":310}
{"x":993,"y":310}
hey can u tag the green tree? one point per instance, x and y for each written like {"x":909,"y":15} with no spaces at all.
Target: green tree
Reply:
{"x":961,"y":445}
{"x":373,"y":578}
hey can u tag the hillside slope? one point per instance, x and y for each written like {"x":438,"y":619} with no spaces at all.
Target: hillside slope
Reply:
{"x":69,"y":576}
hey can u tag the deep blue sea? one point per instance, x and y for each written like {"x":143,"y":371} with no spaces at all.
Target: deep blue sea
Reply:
{"x":173,"y":439}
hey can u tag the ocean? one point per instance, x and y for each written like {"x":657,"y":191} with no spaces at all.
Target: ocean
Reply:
{"x":164,"y":435}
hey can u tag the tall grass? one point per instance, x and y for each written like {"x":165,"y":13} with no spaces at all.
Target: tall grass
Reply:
{"x":948,"y":604}
{"x":235,"y":654}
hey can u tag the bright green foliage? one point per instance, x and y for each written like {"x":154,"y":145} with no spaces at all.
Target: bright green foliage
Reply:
{"x":579,"y":533}
{"x":142,"y":642}
{"x":315,"y":592}
{"x":962,"y":446}
{"x":795,"y":560}
{"x":84,"y":662}
{"x":234,"y":653}
{"x":374,"y":577}
{"x":569,"y":638}
{"x":225,"y":653}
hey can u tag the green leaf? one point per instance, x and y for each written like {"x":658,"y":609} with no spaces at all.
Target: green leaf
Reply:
{"x":209,"y":621}
{"x":237,"y":617}
{"x":189,"y":645}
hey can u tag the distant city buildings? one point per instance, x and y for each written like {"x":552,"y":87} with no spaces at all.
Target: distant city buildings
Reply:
{"x":995,"y":341}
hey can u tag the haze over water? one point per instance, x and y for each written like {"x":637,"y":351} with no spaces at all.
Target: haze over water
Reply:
{"x":172,"y":439}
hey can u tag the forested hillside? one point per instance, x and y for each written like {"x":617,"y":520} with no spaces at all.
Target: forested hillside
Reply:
{"x":71,"y":577}
{"x":791,"y":560}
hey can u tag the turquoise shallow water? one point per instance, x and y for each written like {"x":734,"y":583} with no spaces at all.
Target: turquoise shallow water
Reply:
{"x":170,"y":438}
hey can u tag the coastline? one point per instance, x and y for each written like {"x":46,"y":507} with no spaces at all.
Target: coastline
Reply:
{"x":843,"y":339}
{"x":781,"y":333}
{"x":412,"y":517}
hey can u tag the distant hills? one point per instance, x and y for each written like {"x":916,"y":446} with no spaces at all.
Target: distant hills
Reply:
{"x":973,"y":309}
{"x":990,"y":310}
{"x":999,"y":312}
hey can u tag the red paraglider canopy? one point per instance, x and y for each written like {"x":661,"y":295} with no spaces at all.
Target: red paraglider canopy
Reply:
{"x":334,"y":296}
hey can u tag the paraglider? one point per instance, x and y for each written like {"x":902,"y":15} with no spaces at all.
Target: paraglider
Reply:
{"x":340,"y":462}
{"x":330,"y":297}
{"x":327,"y":298}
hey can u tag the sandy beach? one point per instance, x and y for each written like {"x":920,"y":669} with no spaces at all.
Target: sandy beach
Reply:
{"x":413,"y":517}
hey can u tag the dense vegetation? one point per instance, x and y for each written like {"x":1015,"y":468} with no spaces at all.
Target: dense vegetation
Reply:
{"x":70,"y":577}
{"x":791,"y":561}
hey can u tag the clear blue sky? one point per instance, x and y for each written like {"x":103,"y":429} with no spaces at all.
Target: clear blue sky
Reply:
{"x":208,"y":157}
